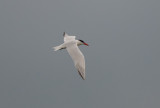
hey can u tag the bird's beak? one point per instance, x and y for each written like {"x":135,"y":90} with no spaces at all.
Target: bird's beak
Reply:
{"x":86,"y":44}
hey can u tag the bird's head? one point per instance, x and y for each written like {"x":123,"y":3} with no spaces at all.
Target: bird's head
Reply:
{"x":81,"y":42}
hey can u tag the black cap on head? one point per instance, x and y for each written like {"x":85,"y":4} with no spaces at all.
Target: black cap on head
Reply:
{"x":81,"y":41}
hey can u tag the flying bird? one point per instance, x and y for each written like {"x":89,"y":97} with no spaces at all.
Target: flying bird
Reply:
{"x":71,"y":44}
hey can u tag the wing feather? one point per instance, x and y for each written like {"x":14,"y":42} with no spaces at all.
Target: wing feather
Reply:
{"x":68,"y":38}
{"x":78,"y":58}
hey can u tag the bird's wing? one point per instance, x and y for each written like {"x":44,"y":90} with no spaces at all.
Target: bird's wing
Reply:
{"x":68,"y":38}
{"x":78,"y":58}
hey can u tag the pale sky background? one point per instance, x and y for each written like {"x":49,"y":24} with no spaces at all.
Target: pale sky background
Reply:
{"x":122,"y":61}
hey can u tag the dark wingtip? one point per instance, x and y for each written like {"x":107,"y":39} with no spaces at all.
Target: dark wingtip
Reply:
{"x":81,"y":75}
{"x":64,"y":33}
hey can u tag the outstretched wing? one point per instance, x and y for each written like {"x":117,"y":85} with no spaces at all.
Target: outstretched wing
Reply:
{"x":68,"y":38}
{"x":78,"y":58}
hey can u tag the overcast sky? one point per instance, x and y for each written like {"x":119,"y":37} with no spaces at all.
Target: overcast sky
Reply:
{"x":122,"y":61}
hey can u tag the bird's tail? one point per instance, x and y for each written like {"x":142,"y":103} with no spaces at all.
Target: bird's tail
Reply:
{"x":60,"y":47}
{"x":56,"y":48}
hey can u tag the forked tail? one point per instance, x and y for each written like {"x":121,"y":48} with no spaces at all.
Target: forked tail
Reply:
{"x":60,"y":47}
{"x":56,"y":48}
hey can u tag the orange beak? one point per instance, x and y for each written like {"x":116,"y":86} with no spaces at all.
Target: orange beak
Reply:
{"x":85,"y":44}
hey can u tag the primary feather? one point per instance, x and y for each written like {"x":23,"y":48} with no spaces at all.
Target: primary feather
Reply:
{"x":77,"y":57}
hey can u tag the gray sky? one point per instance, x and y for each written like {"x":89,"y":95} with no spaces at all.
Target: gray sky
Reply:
{"x":122,"y":61}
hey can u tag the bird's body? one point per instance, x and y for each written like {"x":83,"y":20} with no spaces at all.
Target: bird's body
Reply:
{"x":71,"y":44}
